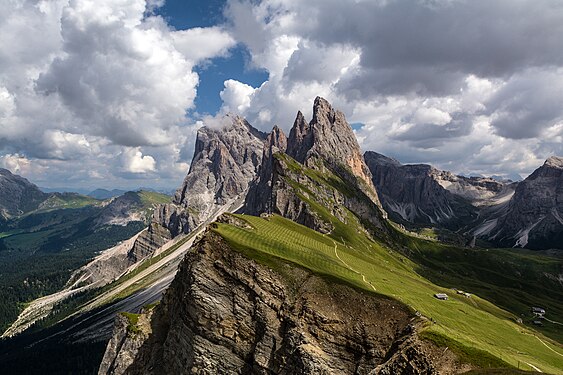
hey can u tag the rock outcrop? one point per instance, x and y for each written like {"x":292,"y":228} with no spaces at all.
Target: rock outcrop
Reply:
{"x":422,"y":194}
{"x":129,"y":333}
{"x":18,"y":195}
{"x":322,"y":165}
{"x":226,"y":158}
{"x":227,"y":314}
{"x":328,"y":139}
{"x":534,"y":216}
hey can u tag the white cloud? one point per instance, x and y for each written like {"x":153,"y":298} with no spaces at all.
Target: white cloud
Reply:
{"x":15,"y":163}
{"x":426,"y":90}
{"x":435,"y":116}
{"x":236,"y":96}
{"x":135,"y":162}
{"x":198,"y":44}
{"x":83,"y":82}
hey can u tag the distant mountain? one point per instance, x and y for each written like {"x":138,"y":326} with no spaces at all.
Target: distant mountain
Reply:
{"x":106,"y":194}
{"x":18,"y":195}
{"x":42,"y":247}
{"x":65,"y":190}
{"x":533,"y":217}
{"x":422,"y":194}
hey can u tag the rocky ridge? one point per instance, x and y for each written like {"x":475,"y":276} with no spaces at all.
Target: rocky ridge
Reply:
{"x":416,"y":193}
{"x":225,"y":313}
{"x":226,"y":158}
{"x":312,"y":161}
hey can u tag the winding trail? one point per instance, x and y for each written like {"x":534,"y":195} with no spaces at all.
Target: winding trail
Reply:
{"x":547,"y":346}
{"x":553,"y":321}
{"x":534,"y":367}
{"x":350,"y":267}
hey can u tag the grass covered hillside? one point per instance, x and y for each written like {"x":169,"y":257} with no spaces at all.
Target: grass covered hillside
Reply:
{"x":476,"y":329}
{"x":484,"y":329}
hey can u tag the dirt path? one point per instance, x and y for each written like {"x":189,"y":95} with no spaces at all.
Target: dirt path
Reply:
{"x":553,"y":321}
{"x":547,"y":346}
{"x":534,"y":367}
{"x":350,"y":267}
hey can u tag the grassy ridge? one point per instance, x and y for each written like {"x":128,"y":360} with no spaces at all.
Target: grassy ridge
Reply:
{"x":472,"y":322}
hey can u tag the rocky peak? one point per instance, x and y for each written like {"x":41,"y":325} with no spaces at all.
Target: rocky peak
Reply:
{"x":554,"y":162}
{"x":259,"y":197}
{"x":329,"y":138}
{"x":535,"y":212}
{"x":226,"y":158}
{"x":413,"y":193}
{"x":380,"y":159}
{"x":300,"y":139}
{"x":276,"y":141}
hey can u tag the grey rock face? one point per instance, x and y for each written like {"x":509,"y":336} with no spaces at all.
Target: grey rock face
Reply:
{"x":18,"y":195}
{"x":323,"y":164}
{"x":414,"y":193}
{"x":225,"y":161}
{"x":329,"y":138}
{"x":126,"y":340}
{"x":534,"y":217}
{"x":259,"y":197}
{"x":227,"y":314}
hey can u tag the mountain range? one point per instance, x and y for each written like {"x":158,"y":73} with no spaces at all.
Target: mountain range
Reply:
{"x":299,"y":254}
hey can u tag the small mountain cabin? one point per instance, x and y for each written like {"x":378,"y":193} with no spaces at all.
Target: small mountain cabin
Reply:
{"x":442,"y":296}
{"x":538,"y":310}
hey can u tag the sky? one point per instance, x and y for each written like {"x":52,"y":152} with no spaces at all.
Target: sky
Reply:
{"x":110,"y":93}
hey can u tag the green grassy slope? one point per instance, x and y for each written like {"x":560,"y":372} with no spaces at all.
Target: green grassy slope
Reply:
{"x":352,"y":257}
{"x":412,"y":270}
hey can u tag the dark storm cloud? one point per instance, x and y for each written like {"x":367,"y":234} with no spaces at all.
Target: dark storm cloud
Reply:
{"x":428,"y":46}
{"x":528,"y":104}
{"x":430,"y":135}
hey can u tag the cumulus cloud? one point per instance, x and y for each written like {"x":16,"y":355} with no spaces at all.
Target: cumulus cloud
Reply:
{"x":443,"y":82}
{"x":90,"y":80}
{"x":135,"y":162}
{"x":199,"y":43}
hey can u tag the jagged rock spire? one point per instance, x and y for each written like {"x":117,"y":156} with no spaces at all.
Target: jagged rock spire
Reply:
{"x":300,"y":139}
{"x":259,"y":197}
{"x":330,"y":138}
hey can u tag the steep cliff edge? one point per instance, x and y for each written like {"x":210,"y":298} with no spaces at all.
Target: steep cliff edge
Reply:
{"x":226,"y":313}
{"x":329,"y":141}
{"x":319,"y":164}
{"x":415,"y":193}
{"x":226,"y":158}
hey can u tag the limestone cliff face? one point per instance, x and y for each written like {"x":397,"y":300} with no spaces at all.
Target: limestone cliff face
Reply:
{"x":534,"y":217}
{"x":329,"y":138}
{"x":258,"y":199}
{"x":226,"y":159}
{"x":129,"y":333}
{"x":227,"y":314}
{"x":322,"y":165}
